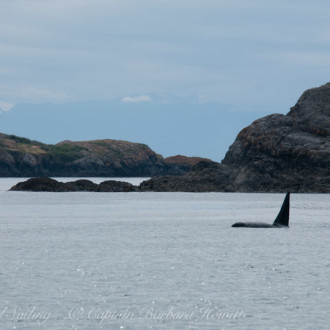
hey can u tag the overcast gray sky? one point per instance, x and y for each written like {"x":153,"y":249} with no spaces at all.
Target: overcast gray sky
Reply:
{"x":229,"y":51}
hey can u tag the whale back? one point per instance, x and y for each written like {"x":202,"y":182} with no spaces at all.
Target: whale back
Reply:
{"x":282,"y":218}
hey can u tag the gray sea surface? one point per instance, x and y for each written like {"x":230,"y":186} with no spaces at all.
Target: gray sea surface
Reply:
{"x":162,"y":261}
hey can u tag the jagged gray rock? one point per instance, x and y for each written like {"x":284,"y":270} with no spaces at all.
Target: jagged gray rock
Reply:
{"x":286,"y":152}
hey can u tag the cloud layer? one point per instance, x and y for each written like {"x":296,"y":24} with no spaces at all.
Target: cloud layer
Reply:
{"x":231,"y":51}
{"x":6,"y":106}
{"x":137,"y":99}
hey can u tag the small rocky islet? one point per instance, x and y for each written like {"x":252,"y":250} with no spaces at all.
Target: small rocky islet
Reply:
{"x":52,"y":185}
{"x":276,"y":153}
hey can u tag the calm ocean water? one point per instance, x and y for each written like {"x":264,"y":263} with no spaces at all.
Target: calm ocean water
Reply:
{"x":162,"y":261}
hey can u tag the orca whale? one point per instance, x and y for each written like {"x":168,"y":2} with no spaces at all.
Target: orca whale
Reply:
{"x":282,"y":219}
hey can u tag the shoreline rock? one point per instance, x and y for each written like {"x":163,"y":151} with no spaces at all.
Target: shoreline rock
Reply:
{"x":51,"y":185}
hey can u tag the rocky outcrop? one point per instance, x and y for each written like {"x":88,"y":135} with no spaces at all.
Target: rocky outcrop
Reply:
{"x":40,"y":184}
{"x":183,"y":164}
{"x":205,"y":176}
{"x":51,"y":185}
{"x":116,"y":186}
{"x":286,"y":152}
{"x":107,"y":158}
{"x":276,"y":153}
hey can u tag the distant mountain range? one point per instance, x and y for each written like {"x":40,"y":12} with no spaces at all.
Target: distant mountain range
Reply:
{"x":22,"y":157}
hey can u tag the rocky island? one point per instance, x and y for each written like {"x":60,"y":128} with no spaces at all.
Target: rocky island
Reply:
{"x":21,"y":157}
{"x":276,"y":153}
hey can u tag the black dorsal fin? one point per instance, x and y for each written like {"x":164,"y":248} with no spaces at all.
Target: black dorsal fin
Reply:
{"x":282,"y":218}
